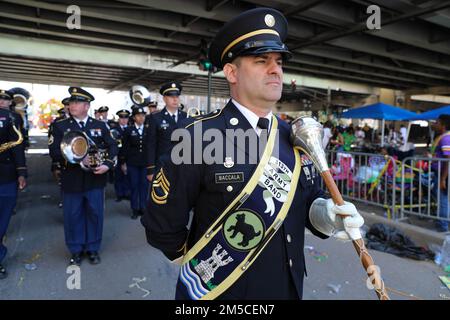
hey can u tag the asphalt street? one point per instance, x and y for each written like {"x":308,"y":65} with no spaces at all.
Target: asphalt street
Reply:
{"x":131,"y":269}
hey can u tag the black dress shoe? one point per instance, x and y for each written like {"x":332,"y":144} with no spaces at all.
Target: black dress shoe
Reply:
{"x":94,"y":258}
{"x":3,"y":273}
{"x":135,"y":214}
{"x":118,"y":199}
{"x":141,"y":212}
{"x":76,"y":259}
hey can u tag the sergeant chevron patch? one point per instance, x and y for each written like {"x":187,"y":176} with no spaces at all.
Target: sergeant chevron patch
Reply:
{"x":160,"y":188}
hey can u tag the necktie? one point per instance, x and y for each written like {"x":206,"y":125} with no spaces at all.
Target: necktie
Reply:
{"x":174,"y":117}
{"x":263,"y":124}
{"x":81,"y":124}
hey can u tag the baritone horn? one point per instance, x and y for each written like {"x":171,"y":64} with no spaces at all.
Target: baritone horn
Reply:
{"x":78,"y":148}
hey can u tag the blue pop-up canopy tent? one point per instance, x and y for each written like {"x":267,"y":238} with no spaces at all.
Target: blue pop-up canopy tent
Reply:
{"x":379,"y":111}
{"x":432,"y":114}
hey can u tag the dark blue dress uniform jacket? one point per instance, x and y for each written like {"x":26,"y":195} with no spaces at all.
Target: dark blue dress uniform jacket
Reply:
{"x":73,"y":178}
{"x":278,"y":271}
{"x":160,"y":126}
{"x":133,"y":151}
{"x":12,"y":161}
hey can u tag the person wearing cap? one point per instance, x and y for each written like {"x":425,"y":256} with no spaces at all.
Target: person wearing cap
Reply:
{"x":13,"y":171}
{"x":161,"y":124}
{"x":97,"y":115}
{"x":250,"y":207}
{"x":103,"y":116}
{"x":121,"y":181}
{"x":63,"y":113}
{"x":7,"y":102}
{"x":133,"y":161}
{"x":84,"y":191}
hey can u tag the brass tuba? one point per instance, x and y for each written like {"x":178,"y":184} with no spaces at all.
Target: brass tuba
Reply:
{"x":78,"y":148}
{"x":140,"y":96}
{"x":11,"y":144}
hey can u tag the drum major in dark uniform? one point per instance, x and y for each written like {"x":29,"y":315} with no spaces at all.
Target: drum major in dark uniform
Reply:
{"x":252,"y":193}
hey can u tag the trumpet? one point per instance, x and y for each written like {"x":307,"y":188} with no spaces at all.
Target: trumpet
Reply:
{"x":11,"y":144}
{"x":77,"y":148}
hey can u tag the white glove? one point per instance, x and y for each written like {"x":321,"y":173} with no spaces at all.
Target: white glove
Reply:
{"x":325,"y":216}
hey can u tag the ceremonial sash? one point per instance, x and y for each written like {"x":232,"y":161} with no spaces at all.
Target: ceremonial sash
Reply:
{"x":234,"y":241}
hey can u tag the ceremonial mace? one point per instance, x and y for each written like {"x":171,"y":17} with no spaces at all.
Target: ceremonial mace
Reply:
{"x":306,"y":135}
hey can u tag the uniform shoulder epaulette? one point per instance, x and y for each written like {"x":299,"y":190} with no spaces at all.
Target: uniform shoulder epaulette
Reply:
{"x":59,"y":120}
{"x":208,"y":116}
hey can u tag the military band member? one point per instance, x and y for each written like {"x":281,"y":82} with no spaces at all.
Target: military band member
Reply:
{"x":84,"y":190}
{"x":63,"y":113}
{"x":103,"y":116}
{"x":246,"y":240}
{"x":8,"y":103}
{"x":133,"y":161}
{"x":13,"y":170}
{"x":161,"y":124}
{"x":97,"y":115}
{"x":121,"y":181}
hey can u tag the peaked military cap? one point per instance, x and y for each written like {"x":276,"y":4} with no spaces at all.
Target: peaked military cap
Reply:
{"x":65,"y":101}
{"x":79,"y":94}
{"x":171,"y":89}
{"x":139,"y":110}
{"x":5,"y":94}
{"x":253,"y":32}
{"x":103,"y":109}
{"x":124,"y":113}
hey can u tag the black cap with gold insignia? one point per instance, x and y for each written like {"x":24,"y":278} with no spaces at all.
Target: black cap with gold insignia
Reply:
{"x":61,"y":111}
{"x":253,"y":32}
{"x":103,"y":109}
{"x":79,"y":94}
{"x":65,"y":101}
{"x":5,"y":94}
{"x":139,"y":110}
{"x":171,"y":89}
{"x":124,"y":113}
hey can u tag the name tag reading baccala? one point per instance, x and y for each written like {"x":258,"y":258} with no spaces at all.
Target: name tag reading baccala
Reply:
{"x":229,"y":177}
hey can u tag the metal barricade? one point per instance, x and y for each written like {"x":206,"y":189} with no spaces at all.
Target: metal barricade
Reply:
{"x":368,"y":178}
{"x":421,"y":193}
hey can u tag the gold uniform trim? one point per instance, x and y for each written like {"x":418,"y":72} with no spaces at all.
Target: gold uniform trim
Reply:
{"x":170,"y":89}
{"x":246,"y":36}
{"x":236,"y":274}
{"x":248,"y":189}
{"x":206,"y":118}
{"x":81,"y":95}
